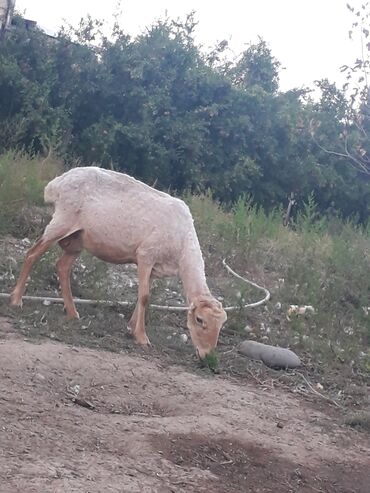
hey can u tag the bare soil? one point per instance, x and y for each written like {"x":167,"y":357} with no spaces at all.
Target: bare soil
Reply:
{"x":82,"y":409}
{"x":75,"y":419}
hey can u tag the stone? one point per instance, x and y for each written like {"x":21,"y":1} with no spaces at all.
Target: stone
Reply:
{"x":272,"y":356}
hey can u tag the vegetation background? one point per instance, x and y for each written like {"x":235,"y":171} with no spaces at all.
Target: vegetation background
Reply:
{"x":220,"y":133}
{"x":161,"y":108}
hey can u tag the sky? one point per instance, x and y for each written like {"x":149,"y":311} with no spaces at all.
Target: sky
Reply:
{"x":308,"y":37}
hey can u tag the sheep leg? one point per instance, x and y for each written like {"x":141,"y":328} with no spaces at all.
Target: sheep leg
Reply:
{"x":132,"y":322}
{"x":55,"y":231}
{"x":33,"y":254}
{"x":72,"y":246}
{"x":144,"y":272}
{"x":64,"y":267}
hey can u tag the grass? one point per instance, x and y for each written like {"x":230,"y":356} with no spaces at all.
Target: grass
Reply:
{"x":304,"y":265}
{"x":316,"y":261}
{"x":211,"y":361}
{"x":22,"y":180}
{"x":360,"y":419}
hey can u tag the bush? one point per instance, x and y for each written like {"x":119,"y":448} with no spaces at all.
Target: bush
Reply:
{"x":319,"y":261}
{"x":313,"y":263}
{"x":22,"y":181}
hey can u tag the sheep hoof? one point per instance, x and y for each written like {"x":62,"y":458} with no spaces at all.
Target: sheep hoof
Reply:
{"x":143,"y":341}
{"x":73,"y":316}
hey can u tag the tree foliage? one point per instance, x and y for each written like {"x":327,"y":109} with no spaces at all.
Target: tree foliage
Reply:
{"x":160,"y":108}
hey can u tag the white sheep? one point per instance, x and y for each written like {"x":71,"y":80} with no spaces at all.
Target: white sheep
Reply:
{"x":121,"y":220}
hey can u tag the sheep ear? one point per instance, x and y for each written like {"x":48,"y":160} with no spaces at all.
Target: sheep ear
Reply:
{"x":205,"y":302}
{"x":211,"y":303}
{"x":191,"y":307}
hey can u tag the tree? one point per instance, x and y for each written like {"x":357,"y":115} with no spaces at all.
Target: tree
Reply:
{"x":160,"y":108}
{"x":354,"y":142}
{"x":257,"y":67}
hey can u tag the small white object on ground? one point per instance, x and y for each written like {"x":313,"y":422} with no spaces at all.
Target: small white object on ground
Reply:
{"x":184,"y":337}
{"x":300,"y":310}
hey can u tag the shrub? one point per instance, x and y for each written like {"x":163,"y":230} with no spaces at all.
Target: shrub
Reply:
{"x":22,"y":180}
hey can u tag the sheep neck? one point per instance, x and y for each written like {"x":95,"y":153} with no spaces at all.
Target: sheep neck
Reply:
{"x":191,"y":269}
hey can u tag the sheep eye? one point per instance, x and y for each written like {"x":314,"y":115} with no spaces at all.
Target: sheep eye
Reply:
{"x":199,"y":320}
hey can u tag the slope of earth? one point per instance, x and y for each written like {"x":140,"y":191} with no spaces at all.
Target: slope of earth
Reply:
{"x":85,"y":420}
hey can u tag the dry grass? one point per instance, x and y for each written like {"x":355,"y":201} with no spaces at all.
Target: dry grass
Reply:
{"x":22,"y":181}
{"x":319,"y":262}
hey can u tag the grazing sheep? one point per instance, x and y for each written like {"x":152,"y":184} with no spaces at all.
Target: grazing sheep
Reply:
{"x":121,"y":220}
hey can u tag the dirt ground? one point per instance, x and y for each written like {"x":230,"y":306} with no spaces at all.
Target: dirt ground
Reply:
{"x":84,"y":420}
{"x":82,"y":409}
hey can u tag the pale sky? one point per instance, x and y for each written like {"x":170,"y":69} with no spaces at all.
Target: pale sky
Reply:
{"x":308,"y":37}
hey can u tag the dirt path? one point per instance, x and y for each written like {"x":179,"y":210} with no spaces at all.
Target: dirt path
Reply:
{"x":157,"y":429}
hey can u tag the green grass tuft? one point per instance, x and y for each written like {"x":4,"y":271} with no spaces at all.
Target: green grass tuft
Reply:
{"x":211,"y":361}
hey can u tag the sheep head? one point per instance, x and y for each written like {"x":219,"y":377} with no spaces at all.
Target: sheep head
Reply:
{"x":205,"y":320}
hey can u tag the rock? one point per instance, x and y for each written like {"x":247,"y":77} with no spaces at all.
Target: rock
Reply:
{"x":300,"y":310}
{"x":184,"y":338}
{"x":272,"y":356}
{"x":75,"y":389}
{"x":40,"y":377}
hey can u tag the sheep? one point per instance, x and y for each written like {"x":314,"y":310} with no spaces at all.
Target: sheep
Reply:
{"x":122,"y":220}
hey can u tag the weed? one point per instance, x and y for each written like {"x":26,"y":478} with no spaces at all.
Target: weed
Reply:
{"x":211,"y":361}
{"x":322,"y":262}
{"x":309,"y":219}
{"x":22,"y":180}
{"x":359,"y":419}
